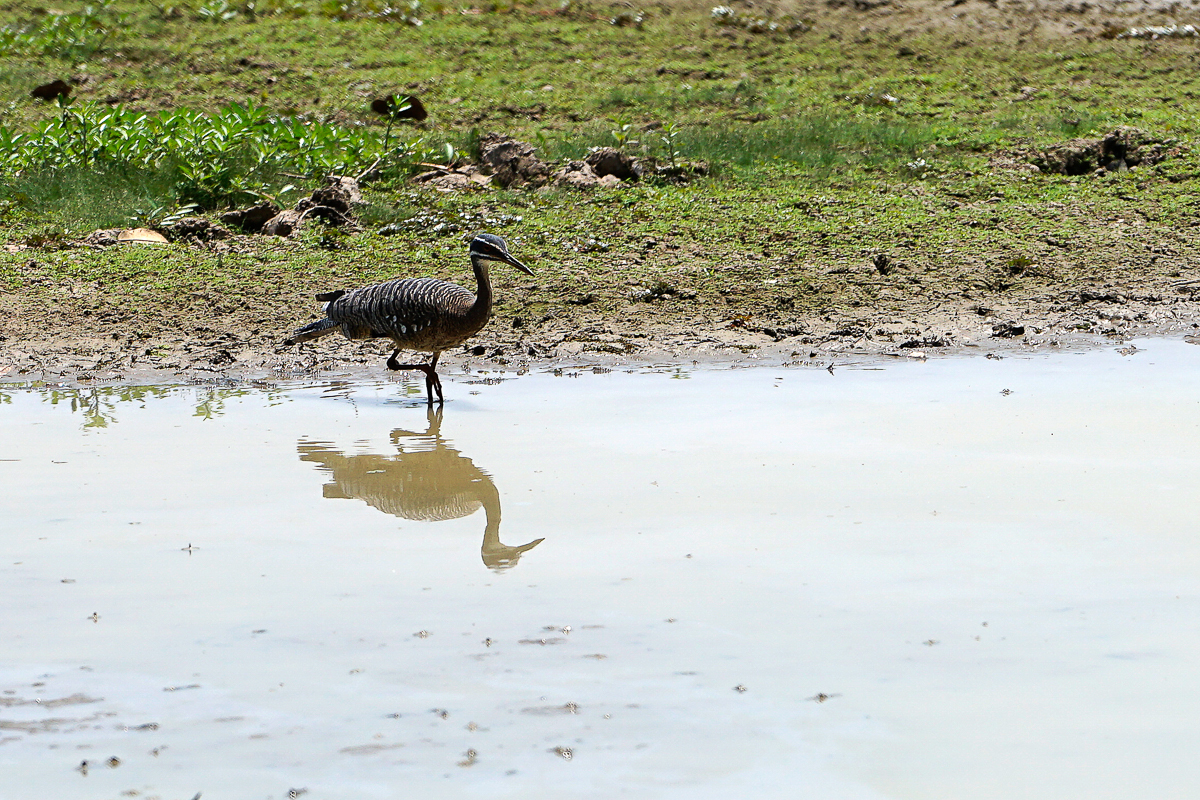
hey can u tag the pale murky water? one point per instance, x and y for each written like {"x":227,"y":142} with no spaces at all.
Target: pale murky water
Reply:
{"x":884,"y":583}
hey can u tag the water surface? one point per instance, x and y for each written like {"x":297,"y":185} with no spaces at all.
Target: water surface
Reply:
{"x":961,"y":578}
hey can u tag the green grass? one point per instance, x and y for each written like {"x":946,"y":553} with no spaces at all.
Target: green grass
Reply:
{"x":828,"y":145}
{"x":187,"y":157}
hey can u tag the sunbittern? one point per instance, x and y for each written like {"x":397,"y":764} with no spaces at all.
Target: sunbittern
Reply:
{"x":423,"y":314}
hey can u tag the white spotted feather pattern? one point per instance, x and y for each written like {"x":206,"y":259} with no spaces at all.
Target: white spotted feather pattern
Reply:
{"x":412,"y":312}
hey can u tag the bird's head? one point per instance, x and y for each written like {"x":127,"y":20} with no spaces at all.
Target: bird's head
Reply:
{"x":489,"y":247}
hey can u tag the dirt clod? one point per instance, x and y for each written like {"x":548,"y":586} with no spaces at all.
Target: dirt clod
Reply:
{"x":102,"y":238}
{"x":460,"y":178}
{"x":283,"y":224}
{"x":1121,"y":149}
{"x":610,"y":161}
{"x":51,"y":90}
{"x":251,"y":219}
{"x":580,"y":175}
{"x":197,"y":229}
{"x":512,"y":163}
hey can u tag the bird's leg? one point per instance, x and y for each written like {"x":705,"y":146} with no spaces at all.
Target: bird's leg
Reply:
{"x":392,"y":363}
{"x":432,"y":381}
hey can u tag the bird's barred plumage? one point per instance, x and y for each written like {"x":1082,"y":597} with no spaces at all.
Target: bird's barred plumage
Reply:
{"x":415,"y":313}
{"x":423,"y":314}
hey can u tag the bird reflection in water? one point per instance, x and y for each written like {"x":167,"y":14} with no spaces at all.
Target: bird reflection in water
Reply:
{"x":426,"y":480}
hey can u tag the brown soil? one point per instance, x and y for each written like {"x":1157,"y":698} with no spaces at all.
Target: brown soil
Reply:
{"x":75,"y":335}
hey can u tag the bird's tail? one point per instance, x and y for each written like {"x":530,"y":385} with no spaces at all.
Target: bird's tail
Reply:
{"x":313,"y":330}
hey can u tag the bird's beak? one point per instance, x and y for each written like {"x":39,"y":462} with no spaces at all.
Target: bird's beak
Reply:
{"x":513,"y":262}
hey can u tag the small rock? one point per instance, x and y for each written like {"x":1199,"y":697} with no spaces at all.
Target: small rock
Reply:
{"x":1007,"y":330}
{"x":141,"y":236}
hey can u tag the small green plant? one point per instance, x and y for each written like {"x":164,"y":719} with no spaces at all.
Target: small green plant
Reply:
{"x":751,"y":23}
{"x":216,"y":11}
{"x":165,"y":10}
{"x":71,"y":36}
{"x":629,"y":18}
{"x":669,"y":132}
{"x":161,"y":216}
{"x":621,"y":132}
{"x":211,"y":160}
{"x":406,"y":13}
{"x":917,"y":168}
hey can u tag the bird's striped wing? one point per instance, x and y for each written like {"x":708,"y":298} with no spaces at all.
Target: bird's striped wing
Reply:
{"x":401,"y":309}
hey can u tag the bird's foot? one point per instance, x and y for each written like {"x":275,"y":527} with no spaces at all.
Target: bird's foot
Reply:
{"x":433,"y":382}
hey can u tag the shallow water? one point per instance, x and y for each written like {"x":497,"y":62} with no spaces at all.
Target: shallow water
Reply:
{"x":961,"y":578}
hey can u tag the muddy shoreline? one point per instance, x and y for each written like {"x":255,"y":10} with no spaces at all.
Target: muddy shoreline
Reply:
{"x":78,"y":355}
{"x":76,"y":332}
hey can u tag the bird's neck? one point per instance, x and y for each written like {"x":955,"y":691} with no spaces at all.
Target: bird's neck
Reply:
{"x":482,"y":307}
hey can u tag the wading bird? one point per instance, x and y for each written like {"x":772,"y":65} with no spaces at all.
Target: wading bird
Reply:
{"x":423,"y":314}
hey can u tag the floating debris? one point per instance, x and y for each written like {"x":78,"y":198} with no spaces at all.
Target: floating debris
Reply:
{"x":566,"y":708}
{"x":821,"y":697}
